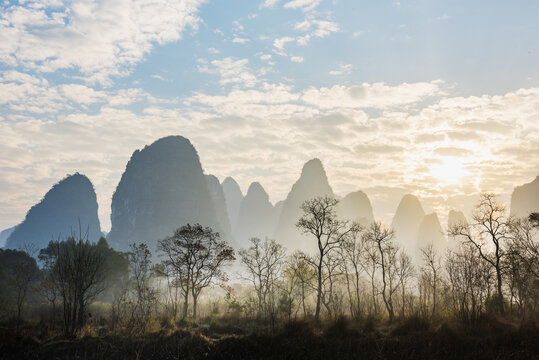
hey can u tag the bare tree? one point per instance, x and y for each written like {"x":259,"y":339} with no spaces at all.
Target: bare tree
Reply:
{"x":320,"y":220}
{"x":431,"y":272}
{"x":405,"y":271}
{"x":144,"y":293}
{"x":198,"y":256}
{"x":371,"y":258}
{"x":489,"y":233}
{"x":522,"y":264}
{"x":305,"y":275}
{"x":330,"y":295}
{"x":172,"y":301}
{"x":469,"y":287}
{"x":263,"y":261}
{"x":292,"y":296}
{"x":353,"y":251}
{"x":382,"y":239}
{"x":77,"y":269}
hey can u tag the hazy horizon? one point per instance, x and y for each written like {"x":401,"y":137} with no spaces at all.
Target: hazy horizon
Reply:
{"x":435,"y":99}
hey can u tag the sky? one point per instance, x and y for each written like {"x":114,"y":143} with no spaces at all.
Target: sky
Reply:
{"x":435,"y":98}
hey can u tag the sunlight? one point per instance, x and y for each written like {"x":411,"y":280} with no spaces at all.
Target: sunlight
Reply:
{"x":449,"y":171}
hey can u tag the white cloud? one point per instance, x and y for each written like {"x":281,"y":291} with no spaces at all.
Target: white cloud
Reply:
{"x":276,"y":128}
{"x":231,"y":71}
{"x":313,"y":28}
{"x":27,"y":94}
{"x":344,"y":69}
{"x":377,"y":95}
{"x":370,"y":136}
{"x":280,"y":43}
{"x":100,"y":39}
{"x":270,"y":3}
{"x":303,"y":25}
{"x":82,"y":94}
{"x":239,"y":40}
{"x":305,"y":5}
{"x":158,"y":77}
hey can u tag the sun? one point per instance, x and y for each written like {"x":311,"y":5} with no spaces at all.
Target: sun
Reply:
{"x":451,"y":170}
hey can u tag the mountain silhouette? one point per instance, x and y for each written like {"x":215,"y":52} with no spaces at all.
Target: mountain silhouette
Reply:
{"x":525,"y":199}
{"x":430,"y":232}
{"x":233,"y":197}
{"x":5,"y":234}
{"x":219,"y":205}
{"x":455,"y":217}
{"x":256,"y":217}
{"x":68,"y":208}
{"x":312,"y":182}
{"x":356,"y":206}
{"x":406,"y":222}
{"x":163,"y":187}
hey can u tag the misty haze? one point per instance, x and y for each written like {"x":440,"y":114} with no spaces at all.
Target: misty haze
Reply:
{"x":269,"y":179}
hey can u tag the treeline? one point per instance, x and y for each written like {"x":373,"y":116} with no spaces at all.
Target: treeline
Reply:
{"x":355,"y":271}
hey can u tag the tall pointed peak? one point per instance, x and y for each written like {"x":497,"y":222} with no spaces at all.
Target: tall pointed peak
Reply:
{"x":356,"y":206}
{"x":256,"y":189}
{"x":313,"y":167}
{"x":230,"y":183}
{"x":162,"y":188}
{"x":312,"y":183}
{"x":174,"y":147}
{"x":456,"y":217}
{"x":169,"y":140}
{"x":430,"y":232}
{"x":70,"y":203}
{"x":234,"y":198}
{"x":410,"y":203}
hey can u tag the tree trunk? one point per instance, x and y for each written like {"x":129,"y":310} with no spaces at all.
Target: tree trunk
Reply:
{"x":403,"y":300}
{"x":388,"y":307}
{"x":500,"y":294}
{"x":303,"y":298}
{"x":319,"y":292}
{"x":185,"y":304}
{"x":195,"y":297}
{"x":358,"y":309}
{"x":374,"y":296}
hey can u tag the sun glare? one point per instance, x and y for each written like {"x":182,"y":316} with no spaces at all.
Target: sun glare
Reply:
{"x":449,"y":171}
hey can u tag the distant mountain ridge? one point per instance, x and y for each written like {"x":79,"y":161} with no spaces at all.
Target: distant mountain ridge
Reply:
{"x":233,"y":199}
{"x":525,"y":199}
{"x":163,"y":187}
{"x":5,"y":234}
{"x":356,"y":206}
{"x":406,"y":222}
{"x":257,"y":216}
{"x":312,"y":182}
{"x":69,"y":207}
{"x":219,"y":203}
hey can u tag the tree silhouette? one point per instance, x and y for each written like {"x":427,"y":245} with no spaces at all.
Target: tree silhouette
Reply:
{"x":320,"y":220}
{"x":198,"y":255}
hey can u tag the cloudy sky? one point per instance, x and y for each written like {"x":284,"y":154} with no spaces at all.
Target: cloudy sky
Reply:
{"x":437,"y":98}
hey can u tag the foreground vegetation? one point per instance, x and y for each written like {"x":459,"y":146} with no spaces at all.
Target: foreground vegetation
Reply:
{"x":356,"y":294}
{"x":412,"y":338}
